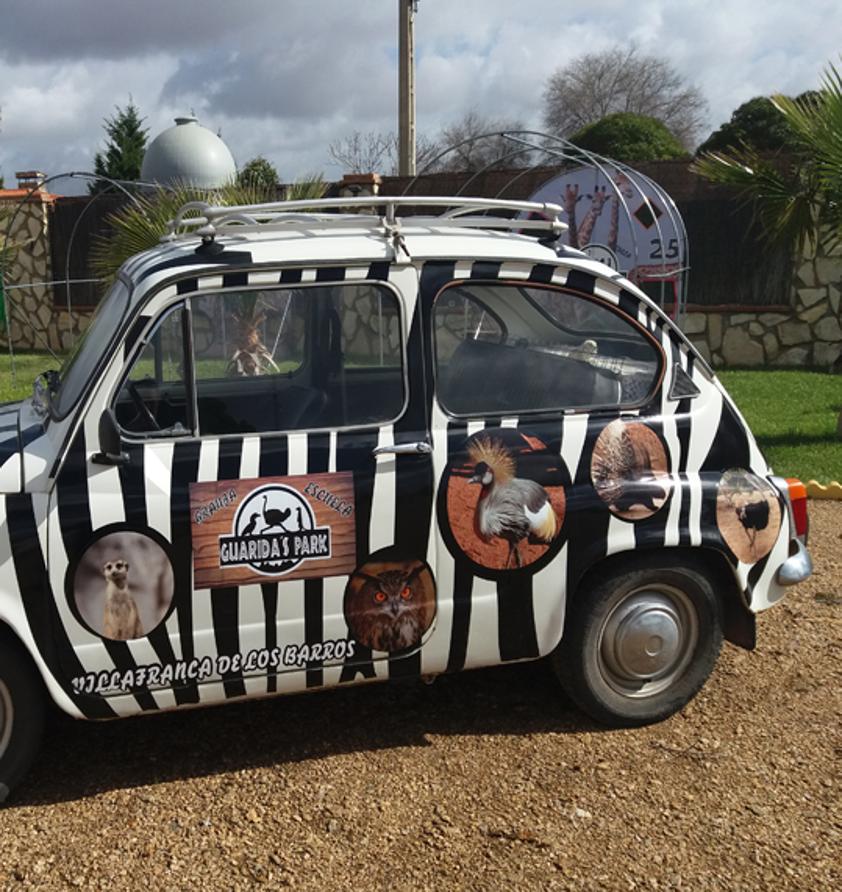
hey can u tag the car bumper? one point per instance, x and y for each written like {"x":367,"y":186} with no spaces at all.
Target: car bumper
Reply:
{"x":796,"y":568}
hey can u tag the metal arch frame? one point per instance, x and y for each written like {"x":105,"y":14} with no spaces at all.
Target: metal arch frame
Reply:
{"x":7,"y":304}
{"x":600,"y":162}
{"x":555,"y":147}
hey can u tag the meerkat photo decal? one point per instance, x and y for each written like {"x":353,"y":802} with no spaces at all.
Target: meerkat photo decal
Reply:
{"x":292,"y":527}
{"x":630,"y":470}
{"x":504,"y":500}
{"x":122,"y":586}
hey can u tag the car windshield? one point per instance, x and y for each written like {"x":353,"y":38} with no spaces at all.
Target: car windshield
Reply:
{"x":81,"y":364}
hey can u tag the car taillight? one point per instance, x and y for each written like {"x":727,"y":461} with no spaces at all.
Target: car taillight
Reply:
{"x":798,"y":500}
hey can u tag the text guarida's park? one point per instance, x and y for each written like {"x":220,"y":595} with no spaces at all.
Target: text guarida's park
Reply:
{"x":294,"y":527}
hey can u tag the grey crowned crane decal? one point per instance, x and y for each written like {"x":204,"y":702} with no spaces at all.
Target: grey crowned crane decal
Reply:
{"x":748,"y":514}
{"x":509,"y":508}
{"x":629,"y":470}
{"x":506,"y":500}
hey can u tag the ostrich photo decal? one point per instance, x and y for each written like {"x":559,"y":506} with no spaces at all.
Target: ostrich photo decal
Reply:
{"x":504,"y":500}
{"x":748,"y":515}
{"x":629,"y":470}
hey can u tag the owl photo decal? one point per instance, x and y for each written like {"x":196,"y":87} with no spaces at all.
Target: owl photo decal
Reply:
{"x":504,"y":501}
{"x":122,"y":586}
{"x":390,"y":604}
{"x":748,"y":514}
{"x":629,"y":469}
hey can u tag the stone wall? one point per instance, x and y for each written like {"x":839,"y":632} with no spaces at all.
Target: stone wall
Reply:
{"x":808,"y":333}
{"x":807,"y":330}
{"x":32,"y":321}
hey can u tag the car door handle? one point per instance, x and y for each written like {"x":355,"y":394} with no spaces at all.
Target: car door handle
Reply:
{"x":420,"y":447}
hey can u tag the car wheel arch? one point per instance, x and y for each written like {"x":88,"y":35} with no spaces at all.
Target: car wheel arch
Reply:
{"x":738,"y":622}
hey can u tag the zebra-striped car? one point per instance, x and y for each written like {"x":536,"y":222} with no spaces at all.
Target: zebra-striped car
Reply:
{"x":299,"y":449}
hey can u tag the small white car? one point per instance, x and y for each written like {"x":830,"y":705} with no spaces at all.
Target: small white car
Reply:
{"x":299,"y":448}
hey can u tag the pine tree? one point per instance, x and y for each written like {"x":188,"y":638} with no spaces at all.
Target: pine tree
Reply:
{"x":123,"y":155}
{"x":260,"y":174}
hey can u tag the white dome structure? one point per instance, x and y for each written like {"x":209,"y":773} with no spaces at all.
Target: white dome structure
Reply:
{"x":188,"y":154}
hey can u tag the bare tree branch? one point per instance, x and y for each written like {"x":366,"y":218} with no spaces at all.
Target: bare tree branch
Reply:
{"x":376,"y":152}
{"x":622,"y":80}
{"x":472,"y":149}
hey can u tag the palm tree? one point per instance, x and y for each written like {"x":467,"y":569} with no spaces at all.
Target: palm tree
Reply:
{"x":798,"y":199}
{"x":139,"y":226}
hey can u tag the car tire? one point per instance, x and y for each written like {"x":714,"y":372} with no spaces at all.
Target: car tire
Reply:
{"x":22,"y":712}
{"x":640,"y":640}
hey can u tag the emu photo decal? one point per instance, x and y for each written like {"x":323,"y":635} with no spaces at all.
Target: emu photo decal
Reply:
{"x":296,"y":527}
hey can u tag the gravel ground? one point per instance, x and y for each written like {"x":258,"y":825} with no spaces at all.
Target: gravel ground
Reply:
{"x":487,"y":780}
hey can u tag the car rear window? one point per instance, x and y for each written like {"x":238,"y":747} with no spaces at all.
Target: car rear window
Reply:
{"x":545,"y":349}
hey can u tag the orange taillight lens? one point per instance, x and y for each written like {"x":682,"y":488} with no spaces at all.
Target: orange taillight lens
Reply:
{"x":798,"y":500}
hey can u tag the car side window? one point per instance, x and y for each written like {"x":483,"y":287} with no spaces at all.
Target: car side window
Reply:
{"x":323,"y":356}
{"x":552,"y":350}
{"x":458,"y":318}
{"x":153,"y":397}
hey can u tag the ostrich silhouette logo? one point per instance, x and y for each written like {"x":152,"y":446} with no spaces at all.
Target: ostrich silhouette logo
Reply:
{"x":273,"y":514}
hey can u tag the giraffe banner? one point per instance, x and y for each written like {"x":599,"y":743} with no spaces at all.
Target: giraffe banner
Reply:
{"x":620,"y":218}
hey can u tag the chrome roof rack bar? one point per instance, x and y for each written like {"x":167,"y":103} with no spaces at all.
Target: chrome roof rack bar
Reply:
{"x":203,"y":219}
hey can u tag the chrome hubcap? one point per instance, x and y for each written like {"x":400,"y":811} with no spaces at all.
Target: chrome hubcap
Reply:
{"x":647,"y":640}
{"x":6,"y":713}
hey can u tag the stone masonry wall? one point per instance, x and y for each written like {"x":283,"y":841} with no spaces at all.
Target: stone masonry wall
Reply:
{"x":32,"y":320}
{"x":808,"y":333}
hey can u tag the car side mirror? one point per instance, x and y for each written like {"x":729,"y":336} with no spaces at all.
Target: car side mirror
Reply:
{"x":109,"y":441}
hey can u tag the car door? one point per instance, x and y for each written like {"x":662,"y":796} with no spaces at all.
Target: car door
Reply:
{"x":248,"y":541}
{"x":528,"y":375}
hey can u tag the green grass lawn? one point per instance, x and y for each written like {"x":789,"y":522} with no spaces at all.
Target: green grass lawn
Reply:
{"x":793,"y":413}
{"x":27,"y":368}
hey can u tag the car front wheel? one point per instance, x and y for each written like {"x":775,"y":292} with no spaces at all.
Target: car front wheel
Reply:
{"x":640,"y":641}
{"x":22,"y":708}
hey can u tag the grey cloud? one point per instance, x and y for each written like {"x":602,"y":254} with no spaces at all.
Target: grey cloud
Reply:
{"x":111,"y":29}
{"x":57,"y":30}
{"x":303,"y":80}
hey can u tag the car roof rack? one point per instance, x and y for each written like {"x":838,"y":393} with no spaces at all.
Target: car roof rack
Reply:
{"x":207,"y":221}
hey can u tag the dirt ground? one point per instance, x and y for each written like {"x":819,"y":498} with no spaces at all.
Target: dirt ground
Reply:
{"x":487,"y":780}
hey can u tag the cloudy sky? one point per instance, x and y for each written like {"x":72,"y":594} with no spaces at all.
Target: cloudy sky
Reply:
{"x":283,"y":78}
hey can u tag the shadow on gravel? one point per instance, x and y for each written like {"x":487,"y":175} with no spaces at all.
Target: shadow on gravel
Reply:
{"x":80,"y":759}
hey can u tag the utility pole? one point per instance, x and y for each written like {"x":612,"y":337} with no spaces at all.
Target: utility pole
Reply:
{"x":406,"y":87}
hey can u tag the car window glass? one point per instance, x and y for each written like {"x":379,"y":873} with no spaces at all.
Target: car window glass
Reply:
{"x":574,"y":313}
{"x":79,"y":367}
{"x":325,"y":356}
{"x":153,"y":396}
{"x":552,"y":350}
{"x":458,"y":317}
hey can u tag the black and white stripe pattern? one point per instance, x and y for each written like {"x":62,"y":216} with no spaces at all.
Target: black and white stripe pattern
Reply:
{"x":479,"y":621}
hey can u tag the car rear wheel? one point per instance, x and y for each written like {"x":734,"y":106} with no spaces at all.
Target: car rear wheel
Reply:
{"x":640,"y":641}
{"x":22,"y":708}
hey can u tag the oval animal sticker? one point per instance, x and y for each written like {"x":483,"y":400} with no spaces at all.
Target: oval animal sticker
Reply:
{"x":629,"y":470}
{"x":389,"y":605}
{"x":504,"y":500}
{"x":748,"y":514}
{"x":122,"y":586}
